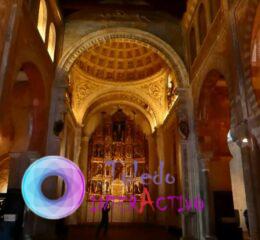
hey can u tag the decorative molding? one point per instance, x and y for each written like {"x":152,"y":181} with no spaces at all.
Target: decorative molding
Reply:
{"x":87,"y":89}
{"x":82,"y":90}
{"x":132,"y":35}
{"x":156,"y":90}
{"x":124,"y":97}
{"x":122,"y":16}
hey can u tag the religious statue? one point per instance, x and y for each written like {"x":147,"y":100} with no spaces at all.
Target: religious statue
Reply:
{"x":98,"y":150}
{"x":107,"y":187}
{"x":128,"y":170}
{"x":118,"y":171}
{"x":98,"y":189}
{"x":137,"y":190}
{"x":107,"y":171}
{"x":129,"y":187}
{"x":118,"y":131}
{"x":98,"y":170}
{"x":93,"y":186}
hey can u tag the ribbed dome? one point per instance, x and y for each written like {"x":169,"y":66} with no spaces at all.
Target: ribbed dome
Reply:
{"x":120,"y":60}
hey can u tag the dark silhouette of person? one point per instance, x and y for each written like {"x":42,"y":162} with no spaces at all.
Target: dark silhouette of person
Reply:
{"x":247,"y":221}
{"x":104,"y":220}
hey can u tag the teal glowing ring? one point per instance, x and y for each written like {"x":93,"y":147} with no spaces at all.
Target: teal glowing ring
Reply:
{"x":53,"y":166}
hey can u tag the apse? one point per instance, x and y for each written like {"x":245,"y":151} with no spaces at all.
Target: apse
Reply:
{"x":114,"y":146}
{"x":118,"y":154}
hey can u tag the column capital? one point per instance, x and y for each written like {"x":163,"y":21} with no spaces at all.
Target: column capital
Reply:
{"x":85,"y":139}
{"x":15,"y":154}
{"x":241,"y":135}
{"x":205,"y":156}
{"x":240,"y":130}
{"x":33,"y":155}
{"x":205,"y":160}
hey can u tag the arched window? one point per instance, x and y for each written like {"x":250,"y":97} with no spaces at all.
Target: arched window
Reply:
{"x":52,"y":41}
{"x":193,"y":49}
{"x":254,"y":53}
{"x":202,"y":23}
{"x":256,"y":50}
{"x":214,"y":7}
{"x":42,"y":19}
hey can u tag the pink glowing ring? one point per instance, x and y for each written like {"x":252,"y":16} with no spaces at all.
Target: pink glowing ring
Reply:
{"x":74,"y":190}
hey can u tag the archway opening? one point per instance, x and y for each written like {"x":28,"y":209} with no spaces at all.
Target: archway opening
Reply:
{"x":225,"y":188}
{"x":20,"y":126}
{"x":16,"y":125}
{"x":129,"y":77}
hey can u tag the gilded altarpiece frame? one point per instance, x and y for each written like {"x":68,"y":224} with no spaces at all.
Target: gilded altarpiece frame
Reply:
{"x":118,"y":157}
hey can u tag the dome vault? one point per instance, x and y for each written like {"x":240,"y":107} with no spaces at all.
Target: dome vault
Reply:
{"x":127,"y":68}
{"x":121,"y":61}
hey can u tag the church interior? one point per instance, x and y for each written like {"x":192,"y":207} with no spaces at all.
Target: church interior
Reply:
{"x":166,"y":91}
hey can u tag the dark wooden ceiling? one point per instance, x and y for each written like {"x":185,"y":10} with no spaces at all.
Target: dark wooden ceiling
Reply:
{"x":175,"y":7}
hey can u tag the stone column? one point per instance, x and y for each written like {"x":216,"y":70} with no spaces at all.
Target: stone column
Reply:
{"x":237,"y":181}
{"x":208,"y":213}
{"x":191,"y":220}
{"x":19,"y":162}
{"x":8,"y":40}
{"x":188,"y":218}
{"x":251,"y":169}
{"x":153,"y":163}
{"x":63,"y":139}
{"x":160,"y":216}
{"x":83,"y":161}
{"x":15,"y":173}
{"x":77,"y":144}
{"x":161,"y":155}
{"x":57,"y":110}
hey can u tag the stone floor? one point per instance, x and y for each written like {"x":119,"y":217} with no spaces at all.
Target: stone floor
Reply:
{"x":141,"y":232}
{"x":121,"y":233}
